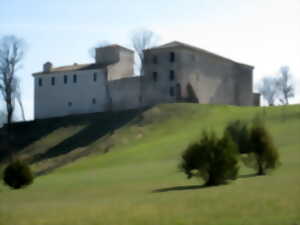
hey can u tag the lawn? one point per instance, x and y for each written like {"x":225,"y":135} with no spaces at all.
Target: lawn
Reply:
{"x":137,"y":181}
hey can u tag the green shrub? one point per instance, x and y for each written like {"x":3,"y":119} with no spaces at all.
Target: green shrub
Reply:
{"x":17,"y":174}
{"x":212,"y":159}
{"x":265,"y":154}
{"x":240,"y":134}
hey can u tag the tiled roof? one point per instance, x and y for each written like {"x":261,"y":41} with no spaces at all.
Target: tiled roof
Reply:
{"x":181,"y":44}
{"x":74,"y":67}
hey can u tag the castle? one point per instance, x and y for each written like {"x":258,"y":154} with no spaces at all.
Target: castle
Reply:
{"x":174,"y":72}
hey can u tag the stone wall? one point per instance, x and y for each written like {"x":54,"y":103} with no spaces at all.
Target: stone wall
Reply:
{"x":199,"y":77}
{"x":244,"y":85}
{"x":125,"y":93}
{"x":122,"y":68}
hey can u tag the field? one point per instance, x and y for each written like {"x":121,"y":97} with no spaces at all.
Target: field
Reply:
{"x":129,"y":175}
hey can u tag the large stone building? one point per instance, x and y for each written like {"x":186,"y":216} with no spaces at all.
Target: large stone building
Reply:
{"x":174,"y":72}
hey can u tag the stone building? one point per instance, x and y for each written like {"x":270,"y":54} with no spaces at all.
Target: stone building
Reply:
{"x":174,"y":72}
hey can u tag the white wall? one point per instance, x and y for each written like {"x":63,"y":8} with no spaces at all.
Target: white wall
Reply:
{"x":52,"y":101}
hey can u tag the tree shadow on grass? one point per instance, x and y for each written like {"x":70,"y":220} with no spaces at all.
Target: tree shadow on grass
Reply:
{"x":248,"y":175}
{"x":180,"y":188}
{"x":98,"y":127}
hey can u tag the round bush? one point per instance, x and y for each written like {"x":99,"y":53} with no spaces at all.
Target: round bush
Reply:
{"x":212,"y":159}
{"x":17,"y":175}
{"x":266,"y":156}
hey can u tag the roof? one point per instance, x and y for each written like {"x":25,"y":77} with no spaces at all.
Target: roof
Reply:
{"x":74,"y":67}
{"x":181,"y":44}
{"x":117,"y":46}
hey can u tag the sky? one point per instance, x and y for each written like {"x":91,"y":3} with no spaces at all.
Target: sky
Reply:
{"x":262,"y":33}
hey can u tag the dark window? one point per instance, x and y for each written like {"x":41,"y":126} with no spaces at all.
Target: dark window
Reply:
{"x":69,"y":104}
{"x":172,"y":91}
{"x":40,"y":82}
{"x":154,"y":59}
{"x":172,"y":74}
{"x":95,"y":77}
{"x":75,"y":78}
{"x":154,"y":75}
{"x":53,"y":81}
{"x":172,"y":57}
{"x":65,"y":79}
{"x":94,"y":101}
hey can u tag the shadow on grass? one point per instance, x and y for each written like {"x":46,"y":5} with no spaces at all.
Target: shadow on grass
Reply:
{"x":248,"y":175}
{"x":98,"y":126}
{"x":180,"y":188}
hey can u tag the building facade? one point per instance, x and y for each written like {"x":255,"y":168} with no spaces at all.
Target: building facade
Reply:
{"x":175,"y":72}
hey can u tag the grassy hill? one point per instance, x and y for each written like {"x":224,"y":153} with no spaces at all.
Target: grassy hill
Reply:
{"x":129,"y":174}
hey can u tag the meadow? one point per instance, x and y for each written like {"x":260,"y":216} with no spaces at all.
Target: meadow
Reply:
{"x":130,"y":175}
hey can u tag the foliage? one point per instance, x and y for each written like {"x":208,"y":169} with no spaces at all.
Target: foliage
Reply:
{"x":266,"y":155}
{"x":17,"y":174}
{"x":240,"y":134}
{"x":212,"y":159}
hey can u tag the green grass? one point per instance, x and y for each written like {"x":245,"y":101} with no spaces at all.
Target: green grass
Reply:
{"x":137,"y":181}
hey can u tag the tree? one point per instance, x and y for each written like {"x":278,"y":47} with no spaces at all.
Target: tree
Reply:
{"x":285,"y":85}
{"x":11,"y":55}
{"x":266,"y":155}
{"x":268,"y":89}
{"x":17,"y":175}
{"x":141,"y":40}
{"x":100,"y":44}
{"x":240,"y":134}
{"x":214,"y":160}
{"x":2,"y":118}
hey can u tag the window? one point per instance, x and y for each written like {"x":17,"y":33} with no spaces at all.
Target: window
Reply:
{"x":172,"y":57}
{"x":65,"y":79}
{"x":154,"y":59}
{"x":154,"y":75}
{"x":40,"y":82}
{"x":171,"y":91}
{"x":94,"y":101}
{"x":95,"y":77}
{"x":172,"y":75}
{"x":74,"y":78}
{"x":53,"y":81}
{"x":70,"y":104}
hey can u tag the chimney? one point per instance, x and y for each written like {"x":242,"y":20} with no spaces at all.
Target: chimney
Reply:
{"x":47,"y":67}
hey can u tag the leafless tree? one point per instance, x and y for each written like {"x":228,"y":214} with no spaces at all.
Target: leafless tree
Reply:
{"x":285,"y":85}
{"x":143,"y":39}
{"x":2,"y":118}
{"x":92,"y":50}
{"x":268,"y":89}
{"x":11,"y":55}
{"x":19,"y":101}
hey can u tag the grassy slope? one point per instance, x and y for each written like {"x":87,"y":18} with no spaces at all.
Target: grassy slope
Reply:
{"x":138,"y":182}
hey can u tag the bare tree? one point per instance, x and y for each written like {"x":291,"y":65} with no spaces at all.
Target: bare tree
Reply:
{"x":92,"y":50}
{"x":19,"y":101}
{"x":2,"y":118}
{"x":11,"y":55}
{"x":285,"y":85}
{"x":141,"y":40}
{"x":268,"y":89}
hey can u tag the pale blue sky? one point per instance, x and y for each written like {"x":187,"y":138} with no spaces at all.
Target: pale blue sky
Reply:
{"x":263,"y":33}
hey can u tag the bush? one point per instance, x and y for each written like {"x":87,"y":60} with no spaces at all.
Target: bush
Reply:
{"x":17,"y":174}
{"x":212,"y":159}
{"x":266,"y":155}
{"x":240,"y":134}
